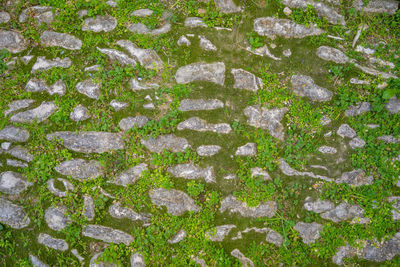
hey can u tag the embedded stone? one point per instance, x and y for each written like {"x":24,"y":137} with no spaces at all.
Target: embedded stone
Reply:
{"x":4,"y":17}
{"x":36,"y":262}
{"x":117,"y":105}
{"x":358,"y":109}
{"x":208,"y":150}
{"x":219,"y":234}
{"x":227,"y":6}
{"x":342,"y":212}
{"x":39,"y":114}
{"x":249,"y":149}
{"x":14,"y":134}
{"x":374,"y":72}
{"x":200,"y":104}
{"x":148,"y":58}
{"x":51,"y":242}
{"x":289,"y":171}
{"x":274,"y":238}
{"x":355,"y":178}
{"x":209,"y":72}
{"x":144,"y":12}
{"x":117,"y":55}
{"x":190,"y":171}
{"x":119,"y":212}
{"x":258,"y":172}
{"x":197,"y":124}
{"x":309,"y":232}
{"x":57,"y":218}
{"x":332,"y":54}
{"x":246,"y":262}
{"x":13,"y":215}
{"x":131,"y":175}
{"x":79,"y":113}
{"x":264,"y":51}
{"x":13,"y":41}
{"x":20,"y":153}
{"x":176,"y":202}
{"x":206,"y":44}
{"x":57,"y":192}
{"x":303,"y":85}
{"x":80,"y":169}
{"x":137,"y":260}
{"x":16,"y":163}
{"x":389,"y":139}
{"x":95,"y":262}
{"x":393,"y":105}
{"x":131,"y":122}
{"x":356,"y":142}
{"x":17,"y":105}
{"x":163,"y":29}
{"x":194,"y":22}
{"x":139,"y":28}
{"x":183,"y":41}
{"x":36,"y":85}
{"x":88,"y":207}
{"x":64,"y":40}
{"x":168,"y":142}
{"x":42,"y":14}
{"x":107,"y":234}
{"x":319,"y":205}
{"x":93,"y":68}
{"x":136,"y":86}
{"x":346,"y":131}
{"x":377,"y":6}
{"x":89,"y":88}
{"x":13,"y":183}
{"x":100,"y":23}
{"x":246,"y":80}
{"x":327,"y":150}
{"x":265,"y":209}
{"x":43,"y":64}
{"x":178,"y":237}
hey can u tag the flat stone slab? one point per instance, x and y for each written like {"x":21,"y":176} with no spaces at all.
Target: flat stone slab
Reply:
{"x":208,"y":72}
{"x":119,"y":56}
{"x":249,"y":149}
{"x":13,"y":215}
{"x":319,"y":205}
{"x":80,"y":169}
{"x":176,"y":202}
{"x":131,"y":122}
{"x":21,"y":153}
{"x":56,"y":218}
{"x":208,"y":150}
{"x":148,"y":58}
{"x":144,"y":12}
{"x":200,"y":104}
{"x":265,"y":209}
{"x":36,"y":262}
{"x":332,"y":54}
{"x":377,"y":6}
{"x":131,"y":175}
{"x":191,"y":171}
{"x":246,"y":80}
{"x":117,"y":211}
{"x":327,"y":150}
{"x":13,"y":41}
{"x":14,"y":134}
{"x":178,"y":237}
{"x":227,"y":6}
{"x":57,"y":192}
{"x":194,"y":22}
{"x":37,"y":85}
{"x":89,"y":142}
{"x":197,"y":124}
{"x":137,"y":86}
{"x":100,"y":23}
{"x":39,"y":114}
{"x":88,"y":207}
{"x":79,"y":113}
{"x":17,"y":105}
{"x":289,"y":171}
{"x":355,"y":178}
{"x":343,"y":212}
{"x":264,"y":51}
{"x":43,"y":64}
{"x":358,"y":109}
{"x":4,"y":17}
{"x":258,"y":172}
{"x":303,"y":85}
{"x":242,"y":258}
{"x":107,"y":234}
{"x":346,"y":131}
{"x":393,"y":105}
{"x":206,"y":44}
{"x":64,"y":40}
{"x":220,"y":232}
{"x":51,"y":242}
{"x":169,"y":142}
{"x":42,"y":14}
{"x":13,"y":183}
{"x":89,"y":88}
{"x":309,"y":232}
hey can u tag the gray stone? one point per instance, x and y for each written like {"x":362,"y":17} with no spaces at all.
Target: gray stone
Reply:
{"x":168,"y":142}
{"x":358,"y":81}
{"x":100,"y":23}
{"x":148,"y":58}
{"x":176,"y":202}
{"x":393,"y":105}
{"x":119,"y":212}
{"x":93,"y":68}
{"x":287,"y":170}
{"x":200,"y":104}
{"x":258,"y":172}
{"x":190,"y":171}
{"x":89,"y":88}
{"x":16,"y":163}
{"x":194,"y":22}
{"x":4,"y":17}
{"x":139,"y":28}
{"x":319,"y":205}
{"x":107,"y":234}
{"x":332,"y":54}
{"x":131,"y":122}
{"x":117,"y":55}
{"x":287,"y":52}
{"x":264,"y":118}
{"x":118,"y":105}
{"x":206,"y":44}
{"x":64,"y":40}
{"x":17,"y":105}
{"x":389,"y":139}
{"x":144,"y":12}
{"x":5,"y":145}
{"x":272,"y":27}
{"x":358,"y":109}
{"x":36,"y":262}
{"x":274,"y":238}
{"x":76,"y":254}
{"x":80,"y":169}
{"x":89,"y":142}
{"x":219,"y":234}
{"x":21,"y":153}
{"x":95,"y":262}
{"x":309,"y":232}
{"x":57,"y":218}
{"x":13,"y":41}
{"x":83,"y":13}
{"x":39,"y":114}
{"x":365,"y":50}
{"x":357,"y":142}
{"x":13,"y":183}
{"x":136,"y":86}
{"x":183,"y":41}
{"x":163,"y":29}
{"x":79,"y":113}
{"x":51,"y":242}
{"x":374,"y":72}
{"x":264,"y":51}
{"x":13,"y":215}
{"x":355,"y":178}
{"x":137,"y":260}
{"x":209,"y":72}
{"x":249,"y":149}
{"x":197,"y":124}
{"x":14,"y":134}
{"x":265,"y":209}
{"x":346,"y":131}
{"x":327,"y":150}
{"x":246,"y":80}
{"x":88,"y":207}
{"x":57,"y":192}
{"x":36,"y":85}
{"x":42,"y":14}
{"x":178,"y":237}
{"x":227,"y":6}
{"x":246,"y":262}
{"x":43,"y":64}
{"x":149,"y":106}
{"x":377,"y":6}
{"x":131,"y":175}
{"x":208,"y":150}
{"x":343,"y":212}
{"x":303,"y":85}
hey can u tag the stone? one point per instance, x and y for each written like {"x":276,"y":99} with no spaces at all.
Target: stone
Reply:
{"x":111,"y":3}
{"x":303,"y":85}
{"x":309,"y":232}
{"x":5,"y":145}
{"x":89,"y":88}
{"x":80,"y":169}
{"x":83,"y":13}
{"x":393,"y":105}
{"x":274,"y":238}
{"x":4,"y":17}
{"x":100,"y":23}
{"x":265,"y":209}
{"x":149,"y":106}
{"x":168,"y":142}
{"x":13,"y":41}
{"x":287,"y":170}
{"x":119,"y":56}
{"x":343,"y":212}
{"x":17,"y":105}
{"x":346,"y":131}
{"x":148,"y":58}
{"x":287,"y":52}
{"x":56,"y":218}
{"x":262,"y":51}
{"x":79,"y":113}
{"x":131,"y":175}
{"x":194,"y":22}
{"x":357,"y":142}
{"x":272,"y":27}
{"x":107,"y":234}
{"x":136,"y":86}
{"x":88,"y":207}
{"x":389,"y":139}
{"x":95,"y":262}
{"x":139,"y":28}
{"x":178,"y":237}
{"x":374,"y":72}
{"x":200,"y":104}
{"x":246,"y":80}
{"x":93,"y":68}
{"x":64,"y":40}
{"x":117,"y":105}
{"x":36,"y":85}
{"x":43,"y":64}
{"x":14,"y":134}
{"x":200,"y":125}
{"x":246,"y":262}
{"x":119,"y":212}
{"x":208,"y":150}
{"x":327,"y":150}
{"x":176,"y":202}
{"x":76,"y":254}
{"x":42,"y":14}
{"x":258,"y":172}
{"x":219,"y":234}
{"x":206,"y":44}
{"x":319,"y":205}
{"x":190,"y":171}
{"x":36,"y":262}
{"x":332,"y":54}
{"x":360,"y":108}
{"x":89,"y":142}
{"x":357,"y":81}
{"x":355,"y":178}
{"x":16,"y":163}
{"x":395,"y":201}
{"x":377,"y":6}
{"x":163,"y":29}
{"x":131,"y":122}
{"x":13,"y":215}
{"x":208,"y":72}
{"x":57,"y":192}
{"x":249,"y":149}
{"x":144,"y":12}
{"x":267,"y":119}
{"x":39,"y":114}
{"x":13,"y":183}
{"x":20,"y":152}
{"x":183,"y":41}
{"x":137,"y":260}
{"x":365,"y":50}
{"x":287,"y":11}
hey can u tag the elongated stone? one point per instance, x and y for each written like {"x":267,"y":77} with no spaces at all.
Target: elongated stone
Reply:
{"x":117,"y":55}
{"x":12,"y":41}
{"x":265,"y":209}
{"x":14,"y":134}
{"x":131,"y":175}
{"x":246,"y":80}
{"x":43,"y":64}
{"x":39,"y":114}
{"x":209,"y":72}
{"x":197,"y":124}
{"x":177,"y":202}
{"x":13,"y":183}
{"x":13,"y":215}
{"x":80,"y":169}
{"x":305,"y":86}
{"x":200,"y":104}
{"x":148,"y":58}
{"x":168,"y":142}
{"x":190,"y":171}
{"x":64,"y":40}
{"x":17,"y":105}
{"x":100,"y":23}
{"x":107,"y":234}
{"x":117,"y":211}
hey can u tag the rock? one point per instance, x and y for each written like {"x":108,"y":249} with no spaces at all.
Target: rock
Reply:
{"x":303,"y":85}
{"x":39,"y":114}
{"x":249,"y":149}
{"x":16,"y":163}
{"x":144,"y":12}
{"x":357,"y":81}
{"x":168,"y":142}
{"x":327,"y":150}
{"x":287,"y":11}
{"x":57,"y":192}
{"x":377,"y":6}
{"x":393,"y":105}
{"x":93,"y":68}
{"x":176,"y":202}
{"x":76,"y":254}
{"x":89,"y":88}
{"x":343,"y":212}
{"x":95,"y":262}
{"x":89,"y":142}
{"x":190,"y":171}
{"x":139,"y":28}
{"x":318,"y":206}
{"x":227,"y":6}
{"x":219,"y":234}
{"x":266,"y":119}
{"x":375,"y":72}
{"x":40,"y":13}
{"x":112,"y":3}
{"x":148,"y":58}
{"x":17,"y":105}
{"x":131,"y":122}
{"x":263,"y":51}
{"x":183,"y":41}
{"x":14,"y":134}
{"x":209,"y":72}
{"x":80,"y":169}
{"x":193,"y":22}
{"x":200,"y":104}
{"x":149,"y":106}
{"x":64,"y":40}
{"x":309,"y":232}
{"x":357,"y":142}
{"x":13,"y":183}
{"x":118,"y":105}
{"x":107,"y":234}
{"x":137,"y":260}
{"x":83,"y":13}
{"x":358,"y":109}
{"x":13,"y":41}
{"x":355,"y":178}
{"x":257,"y":171}
{"x":287,"y":52}
{"x":274,"y":238}
{"x":265,"y":209}
{"x":208,"y":151}
{"x":79,"y":113}
{"x":287,"y":170}
{"x":206,"y":44}
{"x":389,"y":139}
{"x":332,"y":54}
{"x":163,"y":29}
{"x":56,"y":218}
{"x":36,"y":262}
{"x":346,"y":131}
{"x":88,"y":207}
{"x":13,"y":215}
{"x":246,"y":80}
{"x":178,"y":237}
{"x":197,"y":124}
{"x":118,"y":56}
{"x":5,"y":145}
{"x":135,"y":85}
{"x":43,"y":64}
{"x":365,"y":50}
{"x":131,"y":175}
{"x":100,"y":23}
{"x":272,"y":27}
{"x":36,"y":85}
{"x":4,"y":17}
{"x":21,"y":153}
{"x":119,"y":212}
{"x":246,"y":262}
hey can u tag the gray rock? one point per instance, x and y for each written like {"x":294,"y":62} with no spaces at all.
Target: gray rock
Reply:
{"x":4,"y":17}
{"x":178,"y":237}
{"x":139,"y":28}
{"x":149,"y":106}
{"x":176,"y":202}
{"x":309,"y":232}
{"x":389,"y":139}
{"x":163,"y":29}
{"x":246,"y":262}
{"x":190,"y":171}
{"x":89,"y":88}
{"x":39,"y":114}
{"x":56,"y":218}
{"x":93,"y":68}
{"x":332,"y":54}
{"x":274,"y":238}
{"x":358,"y":81}
{"x":100,"y":23}
{"x":36,"y":262}
{"x":107,"y":234}
{"x":83,"y":13}
{"x":258,"y":172}
{"x":272,"y":27}
{"x":131,"y":122}
{"x":208,"y":150}
{"x":51,"y":242}
{"x":327,"y":150}
{"x":148,"y":58}
{"x":26,"y":59}
{"x":168,"y":142}
{"x":88,"y":207}
{"x":393,"y":105}
{"x":117,"y":55}
{"x":219,"y":234}
{"x":118,"y":105}
{"x":209,"y":72}
{"x":36,"y":85}
{"x":79,"y":113}
{"x":357,"y":142}
{"x":137,"y":260}
{"x":13,"y":215}
{"x":21,"y":153}
{"x":197,"y":124}
{"x":264,"y":118}
{"x":136,"y":86}
{"x":343,"y":212}
{"x":265,"y":209}
{"x":17,"y":105}
{"x":395,"y":201}
{"x":264,"y":51}
{"x":200,"y":104}
{"x":64,"y":40}
{"x":80,"y":169}
{"x":287,"y":52}
{"x":43,"y":64}
{"x":346,"y":131}
{"x":13,"y":183}
{"x":95,"y":262}
{"x":144,"y":12}
{"x":206,"y":44}
{"x":355,"y":178}
{"x":89,"y":142}
{"x":42,"y":14}
{"x":13,"y":41}
{"x":287,"y":170}
{"x":112,"y":3}
{"x":249,"y":149}
{"x":374,"y":72}
{"x":119,"y":212}
{"x":131,"y":175}
{"x":303,"y":85}
{"x":16,"y":163}
{"x":76,"y":254}
{"x":57,"y":192}
{"x":183,"y":41}
{"x":14,"y":134}
{"x":246,"y":80}
{"x":5,"y":145}
{"x":194,"y":22}
{"x":319,"y":205}
{"x":377,"y":6}
{"x":358,"y":109}
{"x":227,"y":6}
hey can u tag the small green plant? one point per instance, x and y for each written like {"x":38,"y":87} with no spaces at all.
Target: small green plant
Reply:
{"x":254,"y":40}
